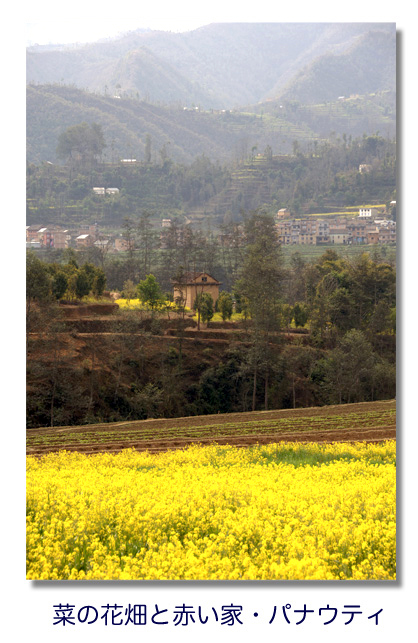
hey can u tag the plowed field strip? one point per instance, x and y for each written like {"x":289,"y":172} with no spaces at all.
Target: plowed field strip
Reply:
{"x":197,"y":432}
{"x":374,"y":434}
{"x":373,"y":421}
{"x":260,"y":425}
{"x":364,"y":409}
{"x":82,"y":440}
{"x":136,"y":429}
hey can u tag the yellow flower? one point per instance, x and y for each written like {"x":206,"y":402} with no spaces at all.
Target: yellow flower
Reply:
{"x":214,"y":513}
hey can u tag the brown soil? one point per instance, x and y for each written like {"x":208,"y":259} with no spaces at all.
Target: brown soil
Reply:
{"x":378,"y":432}
{"x":73,"y":311}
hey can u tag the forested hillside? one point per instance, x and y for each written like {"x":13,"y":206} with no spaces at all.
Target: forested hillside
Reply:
{"x":368,"y":66}
{"x":183,"y":134}
{"x":322,"y":179}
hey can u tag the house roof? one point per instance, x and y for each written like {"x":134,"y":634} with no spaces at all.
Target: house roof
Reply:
{"x":192,"y":278}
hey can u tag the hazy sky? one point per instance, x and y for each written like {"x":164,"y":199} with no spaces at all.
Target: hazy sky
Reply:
{"x":47,"y":21}
{"x":70,"y":31}
{"x":82,"y":21}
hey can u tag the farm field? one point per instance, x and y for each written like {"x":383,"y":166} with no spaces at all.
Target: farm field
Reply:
{"x":312,"y":253}
{"x":293,"y":494}
{"x":294,"y":511}
{"x":368,"y":421}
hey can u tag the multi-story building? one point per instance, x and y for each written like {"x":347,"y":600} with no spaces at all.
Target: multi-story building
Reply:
{"x":373,"y":236}
{"x":84,"y":241}
{"x":91,"y":229}
{"x":307,"y":231}
{"x":368,"y":213}
{"x":284,"y":232}
{"x":387,"y":235}
{"x":322,"y":231}
{"x":46,"y":237}
{"x":308,"y":239}
{"x":339,"y":235}
{"x":358,"y":230}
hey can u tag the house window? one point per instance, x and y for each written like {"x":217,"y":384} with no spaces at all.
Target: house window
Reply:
{"x":204,"y":278}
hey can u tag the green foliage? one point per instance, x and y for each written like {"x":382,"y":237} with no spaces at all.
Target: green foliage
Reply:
{"x":262,"y":272}
{"x":172,"y":355}
{"x":82,"y":285}
{"x":53,"y":280}
{"x":78,"y":188}
{"x":353,"y":372}
{"x":286,"y":314}
{"x":99,"y":283}
{"x":300,"y":314}
{"x":38,"y":280}
{"x":150,"y":293}
{"x":351,"y":295}
{"x":82,"y":143}
{"x":219,"y":386}
{"x":225,"y":305}
{"x":129,"y":290}
{"x":60,"y":284}
{"x":241,"y":303}
{"x":322,"y":182}
{"x":149,"y":401}
{"x":204,"y":305}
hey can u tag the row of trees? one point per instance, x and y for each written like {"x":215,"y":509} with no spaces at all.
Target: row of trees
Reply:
{"x":49,"y":282}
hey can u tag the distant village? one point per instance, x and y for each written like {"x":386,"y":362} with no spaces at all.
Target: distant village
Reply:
{"x":370,"y":226}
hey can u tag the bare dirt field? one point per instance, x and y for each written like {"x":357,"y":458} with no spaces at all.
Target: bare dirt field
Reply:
{"x":368,"y":421}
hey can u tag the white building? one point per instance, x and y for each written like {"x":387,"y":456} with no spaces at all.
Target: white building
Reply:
{"x":367,"y":212}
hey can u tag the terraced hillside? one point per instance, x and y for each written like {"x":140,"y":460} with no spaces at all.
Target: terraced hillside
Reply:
{"x":368,"y":421}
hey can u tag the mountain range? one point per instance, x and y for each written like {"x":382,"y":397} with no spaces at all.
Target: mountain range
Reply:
{"x":225,"y":66}
{"x":142,"y":82}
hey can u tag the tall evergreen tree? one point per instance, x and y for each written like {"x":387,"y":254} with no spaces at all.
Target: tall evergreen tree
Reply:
{"x":260,"y":284}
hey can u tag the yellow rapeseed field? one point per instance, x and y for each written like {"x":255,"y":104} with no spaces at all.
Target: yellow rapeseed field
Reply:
{"x":133,"y":304}
{"x":281,"y":511}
